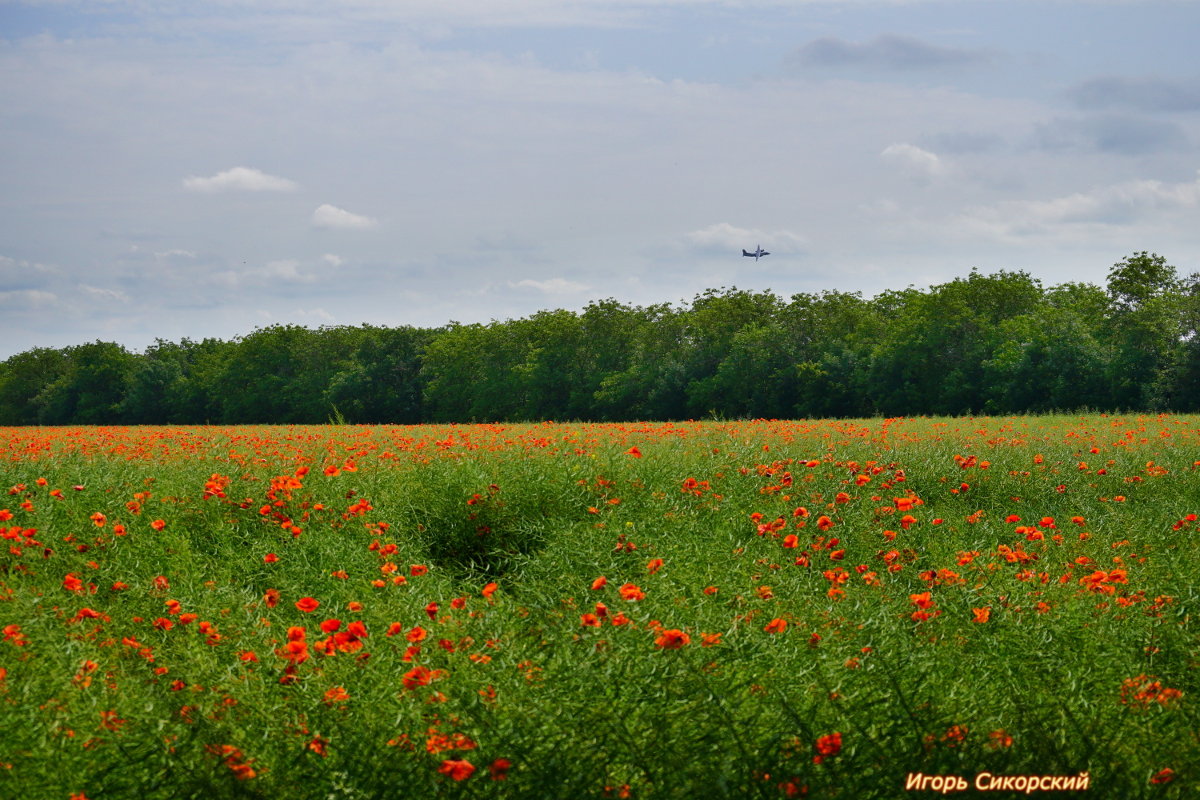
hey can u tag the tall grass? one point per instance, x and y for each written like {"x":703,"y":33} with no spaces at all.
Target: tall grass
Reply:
{"x":506,"y":654}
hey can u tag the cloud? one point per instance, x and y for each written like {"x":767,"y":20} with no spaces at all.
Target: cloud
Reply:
{"x":332,"y":260}
{"x":313,"y":313}
{"x":1140,"y":94}
{"x":1114,"y":205}
{"x":888,"y":51}
{"x":285,"y":270}
{"x":503,"y":241}
{"x":914,"y":160}
{"x":327,"y":216}
{"x":97,"y":293}
{"x":26,"y":299}
{"x":240,"y":179}
{"x":1111,"y":133}
{"x":278,"y":272}
{"x":551,"y":286}
{"x":964,"y":142}
{"x":724,"y":237}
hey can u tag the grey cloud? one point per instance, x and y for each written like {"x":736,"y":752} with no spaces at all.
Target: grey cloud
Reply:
{"x":966,"y":142}
{"x":1111,"y":133}
{"x":1141,"y":94}
{"x":888,"y":51}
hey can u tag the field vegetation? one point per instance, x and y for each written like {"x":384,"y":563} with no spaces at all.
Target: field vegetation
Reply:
{"x":703,"y":609}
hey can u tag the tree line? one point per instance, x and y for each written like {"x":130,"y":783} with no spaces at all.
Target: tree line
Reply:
{"x":997,"y":343}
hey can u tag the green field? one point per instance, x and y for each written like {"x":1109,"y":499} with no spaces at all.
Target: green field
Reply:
{"x":857,"y":609}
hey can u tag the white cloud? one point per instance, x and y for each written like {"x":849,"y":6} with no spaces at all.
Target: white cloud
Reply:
{"x":104,"y":294}
{"x":284,"y":269}
{"x":327,"y":216}
{"x":313,"y":313}
{"x":333,"y":260}
{"x":551,"y":286}
{"x":913,"y":159}
{"x":22,"y":266}
{"x":1113,"y":205}
{"x":176,"y":254}
{"x":724,"y":236}
{"x":240,"y":179}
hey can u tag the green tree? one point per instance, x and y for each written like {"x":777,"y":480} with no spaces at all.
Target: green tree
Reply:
{"x":608,"y":336}
{"x":1177,"y":385}
{"x":1146,"y":326}
{"x":90,"y":390}
{"x":455,"y":370}
{"x":830,"y":338}
{"x":931,"y":358}
{"x":280,"y":374}
{"x":23,"y":378}
{"x":711,"y":326}
{"x":1049,"y":360}
{"x":382,"y":383}
{"x":654,"y":384}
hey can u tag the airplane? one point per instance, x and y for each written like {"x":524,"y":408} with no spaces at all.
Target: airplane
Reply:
{"x":757,"y":254}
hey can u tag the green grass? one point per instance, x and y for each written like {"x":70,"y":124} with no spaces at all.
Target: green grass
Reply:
{"x":1063,"y":678}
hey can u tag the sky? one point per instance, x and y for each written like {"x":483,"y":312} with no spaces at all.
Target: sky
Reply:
{"x":177,"y":169}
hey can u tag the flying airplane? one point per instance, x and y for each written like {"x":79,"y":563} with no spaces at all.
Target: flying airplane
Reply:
{"x":757,"y":254}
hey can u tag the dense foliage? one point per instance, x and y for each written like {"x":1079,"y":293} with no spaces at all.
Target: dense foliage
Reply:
{"x":754,"y":610}
{"x":998,"y":343}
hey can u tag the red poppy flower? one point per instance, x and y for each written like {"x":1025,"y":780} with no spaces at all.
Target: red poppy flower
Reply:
{"x":458,"y":769}
{"x":307,"y":604}
{"x":828,"y":745}
{"x":672,"y":639}
{"x":631,"y":592}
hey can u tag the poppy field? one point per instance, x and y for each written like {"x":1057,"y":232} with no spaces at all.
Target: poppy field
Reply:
{"x":860,"y":608}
